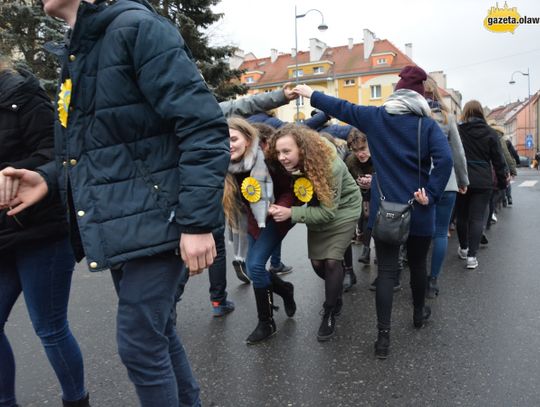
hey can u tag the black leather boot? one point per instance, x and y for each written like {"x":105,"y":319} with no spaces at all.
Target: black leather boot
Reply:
{"x":421,"y":315}
{"x":286,"y":291}
{"x":365,"y":256}
{"x":349,"y":278}
{"x":85,"y":402}
{"x":382,"y":345}
{"x":328,"y":324}
{"x":266,"y":326}
{"x":241,"y":271}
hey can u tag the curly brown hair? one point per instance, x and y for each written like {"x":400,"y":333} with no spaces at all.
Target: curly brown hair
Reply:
{"x":316,"y":158}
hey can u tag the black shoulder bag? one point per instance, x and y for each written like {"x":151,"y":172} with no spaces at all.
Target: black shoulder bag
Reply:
{"x":393,"y":220}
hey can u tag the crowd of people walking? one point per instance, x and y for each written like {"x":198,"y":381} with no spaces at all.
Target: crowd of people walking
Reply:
{"x":139,"y":170}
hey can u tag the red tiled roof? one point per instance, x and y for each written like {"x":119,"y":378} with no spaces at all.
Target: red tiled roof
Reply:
{"x":346,"y":62}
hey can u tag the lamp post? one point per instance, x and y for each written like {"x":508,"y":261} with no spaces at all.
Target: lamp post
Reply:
{"x":512,"y":81}
{"x":322,"y":27}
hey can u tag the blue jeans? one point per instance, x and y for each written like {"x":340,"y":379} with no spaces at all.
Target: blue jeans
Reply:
{"x":259,"y":251}
{"x":443,"y":213}
{"x":148,"y":344}
{"x":42,"y":272}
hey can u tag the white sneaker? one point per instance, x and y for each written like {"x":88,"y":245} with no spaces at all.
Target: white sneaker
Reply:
{"x":462,"y":253}
{"x":472,"y":263}
{"x":494,"y":218}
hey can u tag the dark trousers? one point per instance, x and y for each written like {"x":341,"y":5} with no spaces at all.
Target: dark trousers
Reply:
{"x":148,"y":344}
{"x":471,"y":210}
{"x":388,"y":275}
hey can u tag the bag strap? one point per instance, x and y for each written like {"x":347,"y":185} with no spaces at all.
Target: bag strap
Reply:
{"x":381,"y":195}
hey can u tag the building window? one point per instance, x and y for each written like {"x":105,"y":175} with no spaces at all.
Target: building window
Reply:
{"x":375,"y":91}
{"x":349,"y":82}
{"x":318,"y":70}
{"x":381,"y":61}
{"x":298,"y":73}
{"x":249,"y":79}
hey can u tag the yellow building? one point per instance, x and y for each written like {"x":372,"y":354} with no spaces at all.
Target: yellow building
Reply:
{"x":364,"y":73}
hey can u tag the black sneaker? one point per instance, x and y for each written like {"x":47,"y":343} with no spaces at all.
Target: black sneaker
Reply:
{"x":349,"y":279}
{"x":382,"y":345}
{"x":241,"y":271}
{"x":280,"y":270}
{"x":484,"y":239}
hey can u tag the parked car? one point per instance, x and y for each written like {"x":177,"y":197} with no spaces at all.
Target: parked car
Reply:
{"x":524,"y":161}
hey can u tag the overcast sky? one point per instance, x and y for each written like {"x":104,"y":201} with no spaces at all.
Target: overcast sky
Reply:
{"x":446,"y":35}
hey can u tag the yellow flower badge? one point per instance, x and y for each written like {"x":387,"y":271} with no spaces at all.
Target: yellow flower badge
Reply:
{"x":64,"y":98}
{"x":303,"y":189}
{"x":251,"y":189}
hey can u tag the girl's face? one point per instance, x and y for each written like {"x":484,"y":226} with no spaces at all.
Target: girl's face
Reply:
{"x":239,"y":144}
{"x":288,"y":153}
{"x":361,"y":151}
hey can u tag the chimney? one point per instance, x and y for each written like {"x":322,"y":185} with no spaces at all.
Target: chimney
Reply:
{"x":350,"y":43}
{"x":408,"y":49}
{"x":273,"y":55}
{"x":369,"y":43}
{"x":293,"y":52}
{"x":316,"y":49}
{"x":236,"y":59}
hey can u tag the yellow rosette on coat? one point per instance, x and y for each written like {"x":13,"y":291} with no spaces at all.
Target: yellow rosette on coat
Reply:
{"x":64,"y":98}
{"x":251,"y":189}
{"x":303,"y":189}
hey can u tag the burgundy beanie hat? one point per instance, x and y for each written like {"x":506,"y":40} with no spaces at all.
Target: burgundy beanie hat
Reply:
{"x":412,"y":77}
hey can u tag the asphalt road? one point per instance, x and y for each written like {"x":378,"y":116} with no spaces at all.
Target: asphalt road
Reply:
{"x":479,"y":349}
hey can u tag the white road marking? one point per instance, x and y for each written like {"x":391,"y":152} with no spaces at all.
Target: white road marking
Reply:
{"x":528,"y":184}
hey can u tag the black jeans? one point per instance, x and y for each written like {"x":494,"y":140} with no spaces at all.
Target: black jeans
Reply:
{"x":388,"y":276}
{"x":471,"y":210}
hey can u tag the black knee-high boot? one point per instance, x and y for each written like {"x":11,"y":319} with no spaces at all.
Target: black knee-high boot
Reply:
{"x":286,"y":291}
{"x":266,"y":326}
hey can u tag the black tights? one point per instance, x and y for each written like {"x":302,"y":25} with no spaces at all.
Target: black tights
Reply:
{"x":388,"y":266}
{"x":331,"y":271}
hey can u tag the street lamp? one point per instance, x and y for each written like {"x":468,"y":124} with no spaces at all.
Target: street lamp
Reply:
{"x":512,"y":81}
{"x":322,"y":27}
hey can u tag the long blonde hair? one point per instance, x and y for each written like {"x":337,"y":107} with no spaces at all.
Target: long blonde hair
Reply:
{"x":316,"y":158}
{"x":431,"y":87}
{"x":5,"y":64}
{"x":232,"y":203}
{"x":472,"y":108}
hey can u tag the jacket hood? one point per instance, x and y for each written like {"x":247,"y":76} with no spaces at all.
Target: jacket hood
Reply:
{"x":477,"y":129}
{"x":94,"y":18}
{"x":16,"y":88}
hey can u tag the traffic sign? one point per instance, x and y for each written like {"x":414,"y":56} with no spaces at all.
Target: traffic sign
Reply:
{"x":529,"y":141}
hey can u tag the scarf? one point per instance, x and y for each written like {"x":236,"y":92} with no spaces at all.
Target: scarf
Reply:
{"x":405,"y":101}
{"x":253,"y":161}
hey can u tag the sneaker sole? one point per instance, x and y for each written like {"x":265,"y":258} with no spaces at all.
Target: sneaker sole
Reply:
{"x":326,"y":338}
{"x":472,"y":267}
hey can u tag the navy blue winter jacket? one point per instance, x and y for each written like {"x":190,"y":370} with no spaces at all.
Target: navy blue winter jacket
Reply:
{"x":146,"y":147}
{"x":393,"y":146}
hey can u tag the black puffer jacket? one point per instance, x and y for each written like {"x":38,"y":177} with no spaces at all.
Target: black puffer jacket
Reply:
{"x":482,"y":150}
{"x":145,"y":148}
{"x":26,"y":141}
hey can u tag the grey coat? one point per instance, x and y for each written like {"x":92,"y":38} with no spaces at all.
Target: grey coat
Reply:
{"x":459,"y":177}
{"x":250,"y":105}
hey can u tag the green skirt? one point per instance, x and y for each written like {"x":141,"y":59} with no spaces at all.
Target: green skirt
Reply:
{"x":331,"y":243}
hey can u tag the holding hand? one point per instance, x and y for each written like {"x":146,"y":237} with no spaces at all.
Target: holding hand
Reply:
{"x":303,"y":90}
{"x":288,"y":91}
{"x":280,"y":213}
{"x":31,"y":188}
{"x":364,"y":182}
{"x":421,"y":197}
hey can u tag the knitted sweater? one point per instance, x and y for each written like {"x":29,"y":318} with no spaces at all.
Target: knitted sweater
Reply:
{"x":393,"y":145}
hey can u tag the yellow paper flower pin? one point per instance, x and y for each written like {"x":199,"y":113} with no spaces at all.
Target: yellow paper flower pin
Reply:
{"x":251,"y":189}
{"x":303,"y":189}
{"x":64,"y":98}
